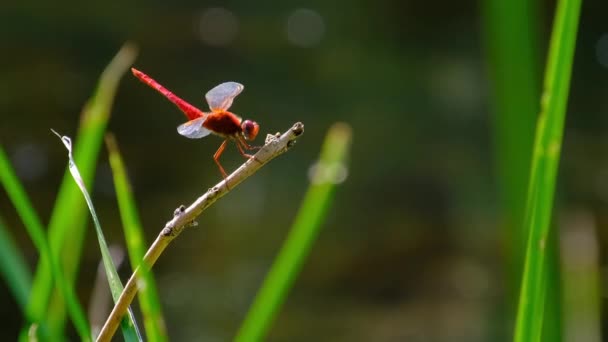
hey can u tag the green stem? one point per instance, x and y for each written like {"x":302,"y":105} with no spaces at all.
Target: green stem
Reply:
{"x":545,"y":162}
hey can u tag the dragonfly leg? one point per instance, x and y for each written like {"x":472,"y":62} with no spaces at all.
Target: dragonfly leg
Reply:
{"x":238,"y":144}
{"x":249,"y":147}
{"x":245,"y":145}
{"x":240,"y":147}
{"x":216,"y":158}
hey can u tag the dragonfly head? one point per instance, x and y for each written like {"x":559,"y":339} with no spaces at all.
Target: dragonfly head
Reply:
{"x":250,"y":129}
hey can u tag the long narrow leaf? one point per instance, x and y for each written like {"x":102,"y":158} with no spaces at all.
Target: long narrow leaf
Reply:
{"x":329,"y":171}
{"x":512,"y":51}
{"x":35,"y":229}
{"x":148,"y":295}
{"x":511,"y":41}
{"x":101,"y":302}
{"x":69,"y":216}
{"x":13,"y":267}
{"x":547,"y":146}
{"x":128,"y":324}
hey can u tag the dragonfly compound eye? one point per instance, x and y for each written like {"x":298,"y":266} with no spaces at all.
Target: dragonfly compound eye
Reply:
{"x":250,"y":129}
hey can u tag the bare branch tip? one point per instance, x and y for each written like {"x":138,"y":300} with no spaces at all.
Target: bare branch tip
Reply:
{"x":298,"y":129}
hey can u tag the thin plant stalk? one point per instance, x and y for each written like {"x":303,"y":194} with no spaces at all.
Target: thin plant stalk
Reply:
{"x":545,"y":161}
{"x":134,"y":236}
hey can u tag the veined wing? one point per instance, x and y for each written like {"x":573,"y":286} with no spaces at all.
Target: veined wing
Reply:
{"x":194,"y":129}
{"x":220,"y":98}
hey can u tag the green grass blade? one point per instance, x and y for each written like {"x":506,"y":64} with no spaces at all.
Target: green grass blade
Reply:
{"x":68,"y":219}
{"x":35,"y":229}
{"x":13,"y":267}
{"x":330,"y":170}
{"x":128,"y":323}
{"x":510,"y":29}
{"x":545,"y":160}
{"x":512,"y":51}
{"x":148,"y":295}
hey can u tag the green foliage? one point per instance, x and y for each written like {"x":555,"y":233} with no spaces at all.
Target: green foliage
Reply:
{"x":513,"y":59}
{"x":329,"y":171}
{"x":13,"y":267}
{"x":545,"y":160}
{"x":134,"y":236}
{"x":35,"y":229}
{"x":69,"y":216}
{"x":512,"y":51}
{"x":128,"y":325}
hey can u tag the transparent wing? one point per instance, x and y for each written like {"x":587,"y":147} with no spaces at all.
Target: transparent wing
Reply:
{"x":194,"y":129}
{"x":220,"y":98}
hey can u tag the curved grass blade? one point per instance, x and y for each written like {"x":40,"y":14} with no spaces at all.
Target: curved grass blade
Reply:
{"x":148,"y":295}
{"x":100,"y":302}
{"x":35,"y":229}
{"x":128,"y":325}
{"x":545,"y":160}
{"x":69,"y":216}
{"x":13,"y":267}
{"x":329,"y":171}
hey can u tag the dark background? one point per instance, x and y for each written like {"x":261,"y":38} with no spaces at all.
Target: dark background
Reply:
{"x":413,"y":247}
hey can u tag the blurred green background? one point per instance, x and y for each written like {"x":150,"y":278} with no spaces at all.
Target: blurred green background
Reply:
{"x":420,"y":242}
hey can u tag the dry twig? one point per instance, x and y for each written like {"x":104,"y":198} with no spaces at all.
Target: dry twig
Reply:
{"x":184,"y":217}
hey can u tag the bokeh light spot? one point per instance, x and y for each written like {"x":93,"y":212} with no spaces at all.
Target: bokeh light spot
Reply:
{"x":305,"y":28}
{"x":217,"y":26}
{"x":335,"y":173}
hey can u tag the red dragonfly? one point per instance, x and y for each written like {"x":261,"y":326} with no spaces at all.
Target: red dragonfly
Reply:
{"x":219,"y":121}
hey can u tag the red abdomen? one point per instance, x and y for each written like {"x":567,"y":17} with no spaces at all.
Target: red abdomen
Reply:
{"x":224,"y":123}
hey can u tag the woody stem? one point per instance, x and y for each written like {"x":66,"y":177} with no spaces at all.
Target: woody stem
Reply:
{"x":184,"y":217}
